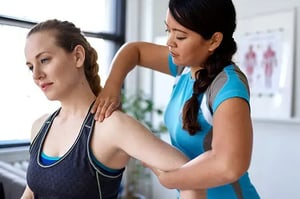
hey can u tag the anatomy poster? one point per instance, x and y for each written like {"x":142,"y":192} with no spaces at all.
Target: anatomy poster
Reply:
{"x":261,"y":61}
{"x":266,"y":55}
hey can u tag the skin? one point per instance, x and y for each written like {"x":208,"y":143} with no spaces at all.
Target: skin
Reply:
{"x":231,"y":150}
{"x":60,"y":76}
{"x":182,"y":44}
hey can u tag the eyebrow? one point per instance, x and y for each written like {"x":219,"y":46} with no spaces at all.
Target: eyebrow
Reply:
{"x":36,"y":57}
{"x":176,"y":29}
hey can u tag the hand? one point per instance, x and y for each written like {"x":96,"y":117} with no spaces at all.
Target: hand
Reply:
{"x":184,"y":194}
{"x":105,"y":104}
{"x":156,"y":171}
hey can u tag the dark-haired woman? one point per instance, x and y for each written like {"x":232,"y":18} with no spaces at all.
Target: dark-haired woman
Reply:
{"x":208,"y":114}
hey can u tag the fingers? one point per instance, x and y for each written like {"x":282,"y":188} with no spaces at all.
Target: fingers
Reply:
{"x":144,"y":164}
{"x":95,"y":105}
{"x":100,"y":113}
{"x":156,"y":171}
{"x":103,"y":108}
{"x":111,"y":108}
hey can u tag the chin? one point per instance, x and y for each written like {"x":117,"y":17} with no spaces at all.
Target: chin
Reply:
{"x":50,"y":98}
{"x":178,"y":62}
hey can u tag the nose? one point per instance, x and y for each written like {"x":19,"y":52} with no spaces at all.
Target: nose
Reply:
{"x":37,"y":74}
{"x":170,"y":42}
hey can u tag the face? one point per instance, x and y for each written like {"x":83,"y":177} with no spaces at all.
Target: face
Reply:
{"x":187,"y":47}
{"x":54,"y":70}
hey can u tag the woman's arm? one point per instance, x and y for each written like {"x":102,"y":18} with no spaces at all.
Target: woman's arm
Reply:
{"x":27,"y":194}
{"x":129,"y":135}
{"x":125,"y":133}
{"x":145,"y":54}
{"x":229,"y":157}
{"x":37,"y":125}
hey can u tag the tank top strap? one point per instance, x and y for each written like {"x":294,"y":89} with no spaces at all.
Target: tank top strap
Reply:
{"x":43,"y":130}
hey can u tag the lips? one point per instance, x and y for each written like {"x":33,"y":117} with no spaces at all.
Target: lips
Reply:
{"x":44,"y":86}
{"x":173,"y":54}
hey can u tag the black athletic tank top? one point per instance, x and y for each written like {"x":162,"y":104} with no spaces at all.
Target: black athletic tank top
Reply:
{"x":73,"y":176}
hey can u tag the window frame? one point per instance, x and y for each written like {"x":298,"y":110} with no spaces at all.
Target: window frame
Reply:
{"x":117,"y":37}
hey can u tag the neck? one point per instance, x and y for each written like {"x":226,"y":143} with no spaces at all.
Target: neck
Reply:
{"x":78,"y":106}
{"x":194,"y":69}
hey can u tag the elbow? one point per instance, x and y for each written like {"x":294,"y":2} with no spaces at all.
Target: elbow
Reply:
{"x":168,"y":181}
{"x":168,"y":186}
{"x":231,"y":173}
{"x":231,"y":176}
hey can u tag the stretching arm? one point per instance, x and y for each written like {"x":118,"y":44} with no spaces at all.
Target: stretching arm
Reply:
{"x":130,"y":55}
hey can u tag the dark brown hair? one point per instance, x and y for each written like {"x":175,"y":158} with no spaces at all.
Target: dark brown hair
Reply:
{"x":206,"y":17}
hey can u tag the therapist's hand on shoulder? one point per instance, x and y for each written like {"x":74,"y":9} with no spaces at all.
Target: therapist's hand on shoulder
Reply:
{"x":106,"y":103}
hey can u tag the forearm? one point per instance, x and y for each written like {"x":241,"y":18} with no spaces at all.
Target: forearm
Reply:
{"x":203,"y":172}
{"x":175,"y":160}
{"x":27,"y":194}
{"x":123,"y":62}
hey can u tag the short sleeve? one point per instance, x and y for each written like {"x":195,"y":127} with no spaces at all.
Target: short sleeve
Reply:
{"x":172,"y":66}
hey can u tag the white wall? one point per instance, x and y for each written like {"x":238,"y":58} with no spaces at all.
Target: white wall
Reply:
{"x":276,"y":157}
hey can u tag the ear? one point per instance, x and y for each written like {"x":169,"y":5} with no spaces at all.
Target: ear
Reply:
{"x":79,"y":54}
{"x":215,"y":41}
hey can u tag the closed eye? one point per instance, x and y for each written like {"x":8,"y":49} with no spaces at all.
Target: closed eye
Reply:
{"x":180,"y":38}
{"x":30,"y":67}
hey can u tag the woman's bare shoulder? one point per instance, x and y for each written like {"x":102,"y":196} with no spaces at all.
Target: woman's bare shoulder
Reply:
{"x":118,"y":119}
{"x":119,"y":124}
{"x":37,"y":124}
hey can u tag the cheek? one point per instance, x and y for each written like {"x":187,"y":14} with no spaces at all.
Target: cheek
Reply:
{"x":199,"y":52}
{"x":193,"y":54}
{"x":35,"y":81}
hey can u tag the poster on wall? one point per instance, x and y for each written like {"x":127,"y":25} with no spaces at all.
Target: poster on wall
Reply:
{"x":265,"y":54}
